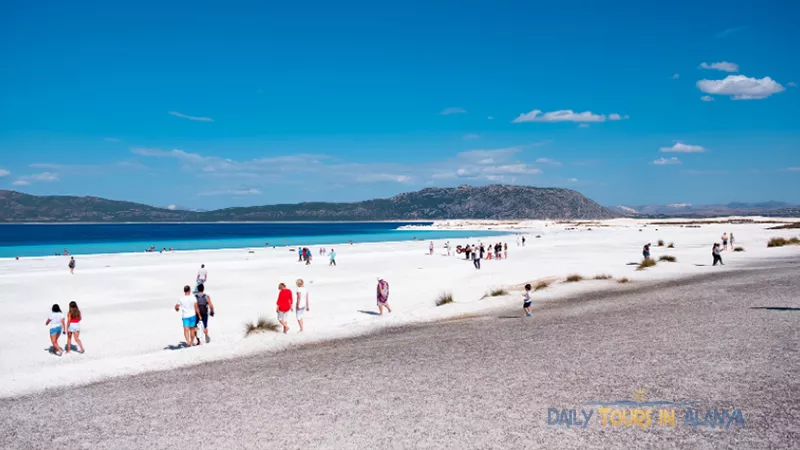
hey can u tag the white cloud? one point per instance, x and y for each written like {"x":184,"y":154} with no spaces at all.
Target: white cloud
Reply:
{"x":172,"y":207}
{"x":4,"y":173}
{"x":564,"y":115}
{"x":724,"y":66}
{"x":472,"y":136}
{"x":21,"y":182}
{"x":573,"y":180}
{"x":491,"y":118}
{"x":184,"y":116}
{"x":792,"y":84}
{"x":740,"y":87}
{"x":376,"y":177}
{"x":549,"y":161}
{"x":583,"y":125}
{"x":448,"y":111}
{"x":707,"y":98}
{"x":680,"y":147}
{"x":793,"y":169}
{"x":676,"y":76}
{"x":239,"y":191}
{"x":665,"y":161}
{"x":27,"y":179}
{"x":729,"y":31}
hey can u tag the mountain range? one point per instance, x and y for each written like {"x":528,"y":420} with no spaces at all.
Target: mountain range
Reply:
{"x":769,"y":208}
{"x":464,"y":202}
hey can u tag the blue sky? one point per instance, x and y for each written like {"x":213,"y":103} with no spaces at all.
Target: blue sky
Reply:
{"x":215,"y":104}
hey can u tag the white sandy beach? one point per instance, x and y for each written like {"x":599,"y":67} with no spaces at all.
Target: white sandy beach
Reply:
{"x":130,"y":325}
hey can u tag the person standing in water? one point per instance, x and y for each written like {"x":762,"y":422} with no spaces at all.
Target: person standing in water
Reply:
{"x":74,"y":327}
{"x":204,"y":309}
{"x":302,"y":305}
{"x":715,"y":253}
{"x":56,"y":322}
{"x":284,"y":305}
{"x":71,"y":265}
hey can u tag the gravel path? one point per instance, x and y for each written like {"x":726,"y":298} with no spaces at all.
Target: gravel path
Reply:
{"x":478,"y":383}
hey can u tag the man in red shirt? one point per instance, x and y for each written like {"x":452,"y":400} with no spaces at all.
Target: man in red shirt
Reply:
{"x":285,"y":302}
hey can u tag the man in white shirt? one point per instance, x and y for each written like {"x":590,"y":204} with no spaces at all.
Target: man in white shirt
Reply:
{"x":202,"y":276}
{"x":187,"y":305}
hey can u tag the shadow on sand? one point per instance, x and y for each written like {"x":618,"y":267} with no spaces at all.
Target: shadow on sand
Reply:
{"x":176,"y":347}
{"x":776,"y":308}
{"x":371,"y":313}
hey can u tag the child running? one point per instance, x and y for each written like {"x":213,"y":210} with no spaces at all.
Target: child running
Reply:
{"x":74,"y":327}
{"x":526,"y":300}
{"x":284,"y":305}
{"x":56,"y":322}
{"x":302,"y":304}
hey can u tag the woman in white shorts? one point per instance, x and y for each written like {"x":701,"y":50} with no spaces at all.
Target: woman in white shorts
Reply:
{"x":302,"y":304}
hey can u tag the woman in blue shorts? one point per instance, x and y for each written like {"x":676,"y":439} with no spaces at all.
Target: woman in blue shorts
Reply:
{"x":56,"y":322}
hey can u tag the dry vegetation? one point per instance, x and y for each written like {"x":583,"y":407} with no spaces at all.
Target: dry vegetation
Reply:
{"x":738,"y":249}
{"x":668,"y":258}
{"x":624,"y":280}
{"x":646,"y":263}
{"x":444,"y":298}
{"x":780,"y":242}
{"x":603,"y":276}
{"x":262,"y":325}
{"x":573,"y":278}
{"x":542,"y":285}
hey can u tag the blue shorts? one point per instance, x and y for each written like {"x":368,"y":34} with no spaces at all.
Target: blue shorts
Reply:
{"x":190,"y":322}
{"x":56,"y":330}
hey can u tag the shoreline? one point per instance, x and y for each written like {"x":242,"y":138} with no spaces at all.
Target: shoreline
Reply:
{"x":243,"y":283}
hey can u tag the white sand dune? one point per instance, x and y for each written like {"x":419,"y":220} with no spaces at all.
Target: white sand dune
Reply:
{"x":127,"y":300}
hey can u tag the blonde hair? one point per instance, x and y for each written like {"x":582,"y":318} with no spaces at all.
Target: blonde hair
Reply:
{"x":300,"y":282}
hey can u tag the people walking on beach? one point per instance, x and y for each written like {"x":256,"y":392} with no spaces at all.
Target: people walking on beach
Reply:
{"x":481,"y":251}
{"x":517,"y":241}
{"x":71,"y":265}
{"x":430,"y":248}
{"x":476,"y":260}
{"x":204,"y":309}
{"x":646,"y":251}
{"x":187,"y":306}
{"x":523,"y":241}
{"x":56,"y":322}
{"x":447,"y":247}
{"x":284,"y":305}
{"x":302,"y":305}
{"x":716,"y":253}
{"x":497,"y":250}
{"x":467,"y":251}
{"x":526,"y":300}
{"x":731,"y":241}
{"x":724,"y":241}
{"x":74,"y":327}
{"x":333,"y":258}
{"x":383,"y":296}
{"x":299,"y":254}
{"x":505,"y":250}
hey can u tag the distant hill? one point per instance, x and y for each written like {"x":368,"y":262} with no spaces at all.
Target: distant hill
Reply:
{"x":769,"y":208}
{"x":465,"y":202}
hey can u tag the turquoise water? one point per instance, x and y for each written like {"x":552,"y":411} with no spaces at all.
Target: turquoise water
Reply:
{"x":56,"y":245}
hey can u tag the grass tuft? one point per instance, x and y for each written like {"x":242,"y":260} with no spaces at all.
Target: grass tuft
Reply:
{"x":573,"y":278}
{"x":497,"y":292}
{"x":668,"y":258}
{"x":738,"y":249}
{"x":624,"y":280}
{"x":646,"y":263}
{"x":444,"y":298}
{"x":780,"y":242}
{"x":603,"y":276}
{"x":541,"y":285}
{"x":660,"y":242}
{"x":671,"y":245}
{"x":262,"y":325}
